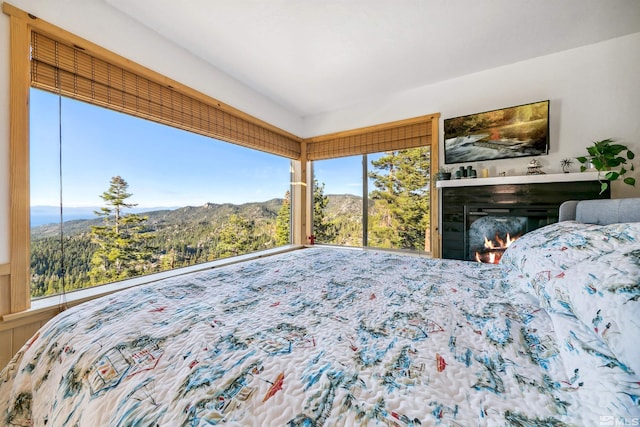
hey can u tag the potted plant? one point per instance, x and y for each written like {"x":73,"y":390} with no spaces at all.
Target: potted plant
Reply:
{"x":611,"y":158}
{"x":443,"y":173}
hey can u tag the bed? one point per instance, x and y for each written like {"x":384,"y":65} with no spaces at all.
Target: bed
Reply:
{"x":333,"y":336}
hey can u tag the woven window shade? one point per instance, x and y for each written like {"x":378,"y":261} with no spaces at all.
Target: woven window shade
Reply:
{"x":390,"y":137}
{"x":68,"y":70}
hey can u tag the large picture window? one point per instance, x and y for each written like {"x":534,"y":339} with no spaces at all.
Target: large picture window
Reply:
{"x":115,"y":196}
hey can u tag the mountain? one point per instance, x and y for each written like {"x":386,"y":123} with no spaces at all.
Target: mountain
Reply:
{"x":209,"y":215}
{"x":344,"y":205}
{"x":177,"y":238}
{"x":43,"y":214}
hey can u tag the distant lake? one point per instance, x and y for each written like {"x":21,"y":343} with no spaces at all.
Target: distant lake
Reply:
{"x":41,"y":215}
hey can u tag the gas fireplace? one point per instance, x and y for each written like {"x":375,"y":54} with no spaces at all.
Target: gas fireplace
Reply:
{"x":490,"y":229}
{"x":519,"y":204}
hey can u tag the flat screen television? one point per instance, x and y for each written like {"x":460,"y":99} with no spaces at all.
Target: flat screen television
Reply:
{"x":506,"y":133}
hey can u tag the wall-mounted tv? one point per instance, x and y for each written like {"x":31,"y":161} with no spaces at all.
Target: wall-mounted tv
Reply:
{"x":518,"y":131}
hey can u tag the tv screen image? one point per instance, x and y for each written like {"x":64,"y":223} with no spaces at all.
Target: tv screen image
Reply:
{"x":511,"y":132}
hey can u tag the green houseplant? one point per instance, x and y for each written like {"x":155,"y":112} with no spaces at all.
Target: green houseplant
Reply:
{"x":611,"y":158}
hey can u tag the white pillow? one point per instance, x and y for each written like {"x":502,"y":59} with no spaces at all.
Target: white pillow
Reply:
{"x":604,"y":294}
{"x":547,"y":252}
{"x":602,"y":384}
{"x":588,"y":271}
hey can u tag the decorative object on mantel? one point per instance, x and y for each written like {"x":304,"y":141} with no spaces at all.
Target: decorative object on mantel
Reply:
{"x":607,"y":157}
{"x":443,"y":173}
{"x":466,"y":172}
{"x":534,"y":168}
{"x":565,"y":164}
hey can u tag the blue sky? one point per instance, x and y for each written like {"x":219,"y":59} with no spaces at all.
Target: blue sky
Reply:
{"x":165,"y":167}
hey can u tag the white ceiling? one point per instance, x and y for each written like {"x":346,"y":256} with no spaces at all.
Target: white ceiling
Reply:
{"x":314,"y":56}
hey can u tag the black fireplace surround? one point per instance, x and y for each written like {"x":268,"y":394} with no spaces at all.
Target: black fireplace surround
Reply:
{"x":502,"y":208}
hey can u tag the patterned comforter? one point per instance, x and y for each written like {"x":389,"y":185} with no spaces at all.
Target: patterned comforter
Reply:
{"x":314,"y":337}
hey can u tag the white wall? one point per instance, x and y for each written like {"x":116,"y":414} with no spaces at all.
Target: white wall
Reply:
{"x":594,"y":93}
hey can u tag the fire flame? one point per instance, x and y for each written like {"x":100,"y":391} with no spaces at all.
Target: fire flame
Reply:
{"x":502,"y":243}
{"x":496,"y":247}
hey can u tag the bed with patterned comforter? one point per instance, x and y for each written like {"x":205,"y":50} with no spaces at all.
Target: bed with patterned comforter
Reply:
{"x":326,"y":336}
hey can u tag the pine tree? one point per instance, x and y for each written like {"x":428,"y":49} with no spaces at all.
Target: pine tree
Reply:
{"x":122,"y":239}
{"x":400,"y":213}
{"x":283,"y":222}
{"x":323,"y":230}
{"x":237,"y":237}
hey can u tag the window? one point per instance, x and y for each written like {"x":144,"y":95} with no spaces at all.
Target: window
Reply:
{"x":399,"y":200}
{"x":395,"y":187}
{"x":182,"y":198}
{"x":337,"y":201}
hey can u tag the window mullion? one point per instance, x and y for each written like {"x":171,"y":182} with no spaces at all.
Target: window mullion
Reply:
{"x":365,"y":202}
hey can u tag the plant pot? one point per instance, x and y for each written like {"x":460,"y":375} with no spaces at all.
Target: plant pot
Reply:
{"x":443,"y":176}
{"x":589,"y":165}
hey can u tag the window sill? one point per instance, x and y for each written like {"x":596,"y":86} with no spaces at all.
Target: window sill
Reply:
{"x":52,"y":303}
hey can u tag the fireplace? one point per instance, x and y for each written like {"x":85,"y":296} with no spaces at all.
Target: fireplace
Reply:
{"x":490,"y":229}
{"x":543,"y":194}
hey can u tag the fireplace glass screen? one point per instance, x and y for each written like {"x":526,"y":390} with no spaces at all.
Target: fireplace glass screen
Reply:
{"x":489,"y":230}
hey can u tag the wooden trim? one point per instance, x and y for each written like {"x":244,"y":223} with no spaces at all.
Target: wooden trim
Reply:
{"x":436,"y":241}
{"x":5,"y":290}
{"x":10,"y":322}
{"x":5,"y":269}
{"x":302,"y":202}
{"x":19,"y":227}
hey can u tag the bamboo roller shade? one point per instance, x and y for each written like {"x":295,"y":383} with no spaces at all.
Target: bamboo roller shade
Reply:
{"x":372,"y":140}
{"x":68,"y":70}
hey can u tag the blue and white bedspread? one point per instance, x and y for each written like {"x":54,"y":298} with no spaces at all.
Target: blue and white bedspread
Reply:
{"x":313,"y":337}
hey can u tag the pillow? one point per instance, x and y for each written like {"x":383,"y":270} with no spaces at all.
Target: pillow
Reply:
{"x":604,"y":294}
{"x":588,"y":271}
{"x":547,"y":252}
{"x":604,"y":387}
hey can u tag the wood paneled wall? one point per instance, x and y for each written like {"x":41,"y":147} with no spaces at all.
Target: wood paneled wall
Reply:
{"x":14,"y":333}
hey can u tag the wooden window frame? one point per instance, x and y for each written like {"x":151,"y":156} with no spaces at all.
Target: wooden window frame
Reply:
{"x":392,"y":136}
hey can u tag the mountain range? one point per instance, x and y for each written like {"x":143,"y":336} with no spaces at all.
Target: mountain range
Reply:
{"x":79,"y":220}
